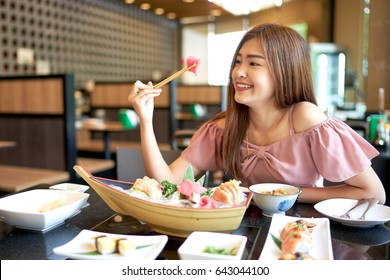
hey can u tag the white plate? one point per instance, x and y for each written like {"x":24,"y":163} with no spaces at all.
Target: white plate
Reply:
{"x":322,"y":243}
{"x":40,"y":209}
{"x":70,"y":187}
{"x":82,"y":247}
{"x":196,"y":242}
{"x":333,"y":208}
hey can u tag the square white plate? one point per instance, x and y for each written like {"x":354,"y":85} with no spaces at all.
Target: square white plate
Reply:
{"x":82,"y":246}
{"x":333,"y":208}
{"x":40,"y":209}
{"x":70,"y":187}
{"x":196,"y":242}
{"x":322,"y":243}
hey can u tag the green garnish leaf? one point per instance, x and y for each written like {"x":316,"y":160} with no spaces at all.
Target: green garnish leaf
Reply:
{"x":168,"y":188}
{"x":209,"y":192}
{"x":91,"y":253}
{"x":189,"y":175}
{"x":143,"y":246}
{"x":201,"y":180}
{"x":277,"y":241}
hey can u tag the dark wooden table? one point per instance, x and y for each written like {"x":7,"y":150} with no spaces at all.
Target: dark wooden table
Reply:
{"x":348,"y":243}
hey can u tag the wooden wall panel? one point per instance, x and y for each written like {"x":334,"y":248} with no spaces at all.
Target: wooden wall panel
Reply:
{"x":378,"y":54}
{"x":114,"y":95}
{"x":39,"y":142}
{"x":31,"y":96}
{"x":210,"y":95}
{"x":38,"y":113}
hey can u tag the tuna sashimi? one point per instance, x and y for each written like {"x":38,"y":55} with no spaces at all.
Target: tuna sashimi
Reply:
{"x":207,"y":202}
{"x":193,"y":63}
{"x":192,"y":66}
{"x":188,"y":187}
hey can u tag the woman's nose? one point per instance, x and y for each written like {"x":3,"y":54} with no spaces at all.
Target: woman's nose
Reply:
{"x":241,"y":71}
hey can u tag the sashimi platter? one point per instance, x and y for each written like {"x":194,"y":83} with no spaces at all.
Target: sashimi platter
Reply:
{"x":189,"y":193}
{"x":174,"y":209}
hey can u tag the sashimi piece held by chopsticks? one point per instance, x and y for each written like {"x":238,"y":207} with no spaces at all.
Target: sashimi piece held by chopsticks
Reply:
{"x":192,"y":66}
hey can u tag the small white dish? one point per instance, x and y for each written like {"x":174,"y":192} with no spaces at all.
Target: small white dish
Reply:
{"x":82,"y":247}
{"x":70,"y":187}
{"x":321,"y":238}
{"x":40,"y":209}
{"x":198,"y":242}
{"x":333,"y":208}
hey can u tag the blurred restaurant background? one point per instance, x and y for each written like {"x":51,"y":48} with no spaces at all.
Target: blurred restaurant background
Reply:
{"x":87,"y":53}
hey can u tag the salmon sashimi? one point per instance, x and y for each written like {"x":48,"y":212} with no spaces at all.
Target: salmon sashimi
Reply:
{"x":229,"y":192}
{"x":223,"y":196}
{"x":296,"y":240}
{"x":149,"y":186}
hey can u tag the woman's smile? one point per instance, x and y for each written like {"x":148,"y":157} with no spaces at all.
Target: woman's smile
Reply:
{"x":242,"y":86}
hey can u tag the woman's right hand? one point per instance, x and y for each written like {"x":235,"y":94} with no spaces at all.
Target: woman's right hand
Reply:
{"x":141,"y":97}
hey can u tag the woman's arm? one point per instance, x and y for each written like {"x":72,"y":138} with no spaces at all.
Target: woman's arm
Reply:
{"x":141,"y":98}
{"x":363,"y":185}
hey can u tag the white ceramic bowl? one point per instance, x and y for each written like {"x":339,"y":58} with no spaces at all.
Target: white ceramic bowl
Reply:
{"x":70,"y":187}
{"x":274,"y":204}
{"x":40,"y":210}
{"x":194,"y":246}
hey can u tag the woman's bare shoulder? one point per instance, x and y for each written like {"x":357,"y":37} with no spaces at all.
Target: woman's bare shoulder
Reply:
{"x":307,"y":115}
{"x":220,"y":122}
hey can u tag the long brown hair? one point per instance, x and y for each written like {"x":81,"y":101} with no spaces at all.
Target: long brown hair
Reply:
{"x":288,"y":58}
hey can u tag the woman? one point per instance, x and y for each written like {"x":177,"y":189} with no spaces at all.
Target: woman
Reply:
{"x":272,"y":130}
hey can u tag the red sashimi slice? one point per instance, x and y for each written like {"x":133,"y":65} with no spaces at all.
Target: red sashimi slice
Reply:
{"x":191,"y":60}
{"x":207,"y":202}
{"x":188,"y":187}
{"x":192,"y":66}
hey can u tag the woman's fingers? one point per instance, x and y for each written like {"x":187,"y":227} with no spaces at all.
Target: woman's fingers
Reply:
{"x":142,"y":91}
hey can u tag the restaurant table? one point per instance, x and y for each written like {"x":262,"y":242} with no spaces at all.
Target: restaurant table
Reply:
{"x":107,"y":128}
{"x":347,"y":242}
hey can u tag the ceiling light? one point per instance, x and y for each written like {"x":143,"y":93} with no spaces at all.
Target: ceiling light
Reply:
{"x":129,"y":1}
{"x":171,"y":15}
{"x":188,"y":1}
{"x":243,"y":7}
{"x":278,"y":3}
{"x":145,"y":6}
{"x":159,"y":11}
{"x":215,"y":12}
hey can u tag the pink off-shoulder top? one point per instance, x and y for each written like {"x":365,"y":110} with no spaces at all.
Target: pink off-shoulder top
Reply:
{"x":330,"y":150}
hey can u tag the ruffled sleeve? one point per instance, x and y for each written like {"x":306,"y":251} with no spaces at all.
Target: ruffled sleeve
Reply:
{"x":338,"y":151}
{"x":204,"y":149}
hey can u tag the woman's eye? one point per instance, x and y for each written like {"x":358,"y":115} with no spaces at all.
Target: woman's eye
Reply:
{"x":237,"y":61}
{"x":254,"y":64}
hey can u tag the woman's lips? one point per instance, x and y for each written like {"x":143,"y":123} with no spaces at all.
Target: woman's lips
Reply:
{"x":242,"y":86}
